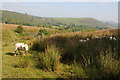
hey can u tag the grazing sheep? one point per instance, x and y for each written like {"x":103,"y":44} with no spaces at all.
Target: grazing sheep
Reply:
{"x":21,"y":47}
{"x":104,"y":37}
{"x":81,"y":40}
{"x":25,"y":47}
{"x":110,"y":37}
{"x":87,"y":39}
{"x":113,"y":38}
{"x":84,"y":40}
{"x":96,"y":37}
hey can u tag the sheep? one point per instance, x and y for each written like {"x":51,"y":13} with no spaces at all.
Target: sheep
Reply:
{"x":110,"y":37}
{"x":114,"y":38}
{"x":87,"y":39}
{"x":81,"y":40}
{"x":21,"y":47}
{"x":96,"y":37}
{"x":84,"y":40}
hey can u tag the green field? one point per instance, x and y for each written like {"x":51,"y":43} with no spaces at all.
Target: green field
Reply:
{"x":29,"y":20}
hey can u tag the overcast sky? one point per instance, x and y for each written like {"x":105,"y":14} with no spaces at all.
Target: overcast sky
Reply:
{"x":106,"y":11}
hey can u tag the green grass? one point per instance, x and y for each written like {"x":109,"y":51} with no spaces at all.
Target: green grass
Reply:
{"x":25,"y":19}
{"x":69,"y":50}
{"x":8,"y":35}
{"x":10,"y":70}
{"x":16,"y":67}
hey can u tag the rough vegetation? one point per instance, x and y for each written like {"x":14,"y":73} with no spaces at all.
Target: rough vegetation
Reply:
{"x":19,"y":29}
{"x":61,"y":54}
{"x":50,"y":59}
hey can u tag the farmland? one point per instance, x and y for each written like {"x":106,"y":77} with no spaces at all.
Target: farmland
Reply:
{"x":64,"y":23}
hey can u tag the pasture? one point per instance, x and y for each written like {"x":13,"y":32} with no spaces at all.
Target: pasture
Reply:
{"x":61,"y":54}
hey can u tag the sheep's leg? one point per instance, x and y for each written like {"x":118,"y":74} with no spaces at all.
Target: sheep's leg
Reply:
{"x":24,"y":53}
{"x":19,"y":52}
{"x":15,"y":53}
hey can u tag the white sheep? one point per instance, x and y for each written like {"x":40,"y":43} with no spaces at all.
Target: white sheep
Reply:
{"x":21,"y":47}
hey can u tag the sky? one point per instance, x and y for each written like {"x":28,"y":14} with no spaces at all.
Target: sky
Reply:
{"x":104,"y":11}
{"x":60,"y":0}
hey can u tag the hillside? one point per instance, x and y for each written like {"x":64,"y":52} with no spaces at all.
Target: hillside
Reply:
{"x":82,"y":21}
{"x":19,"y":18}
{"x":111,"y":23}
{"x":68,"y":48}
{"x":29,"y":20}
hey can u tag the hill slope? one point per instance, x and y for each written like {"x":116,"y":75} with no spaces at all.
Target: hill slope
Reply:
{"x":25,"y":19}
{"x":70,"y":48}
{"x":82,"y":21}
{"x":111,"y":23}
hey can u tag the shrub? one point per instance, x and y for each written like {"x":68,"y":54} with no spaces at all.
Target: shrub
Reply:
{"x":79,"y":71}
{"x":24,"y":62}
{"x":39,"y":46}
{"x":42,"y":32}
{"x":86,"y":69}
{"x":109,"y":66}
{"x":50,"y":59}
{"x":19,"y":29}
{"x":106,"y":66}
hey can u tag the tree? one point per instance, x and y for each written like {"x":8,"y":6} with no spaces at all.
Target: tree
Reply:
{"x":19,"y":29}
{"x":42,"y":32}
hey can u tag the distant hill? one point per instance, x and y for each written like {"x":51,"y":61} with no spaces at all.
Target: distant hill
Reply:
{"x":25,"y":19}
{"x":82,"y":21}
{"x":111,"y":23}
{"x":29,"y":20}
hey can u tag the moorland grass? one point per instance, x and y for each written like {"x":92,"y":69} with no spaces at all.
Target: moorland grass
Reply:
{"x":87,"y":54}
{"x":92,"y":59}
